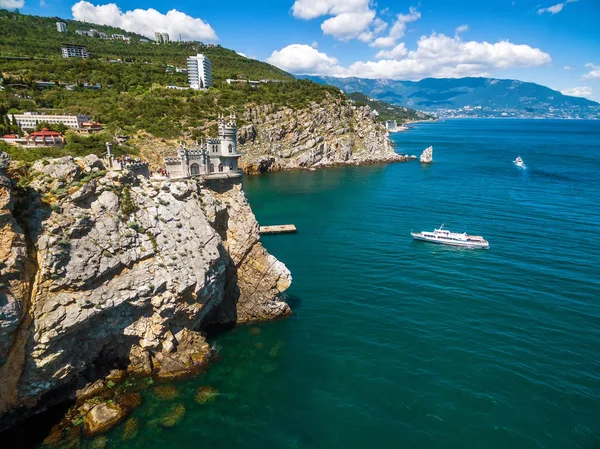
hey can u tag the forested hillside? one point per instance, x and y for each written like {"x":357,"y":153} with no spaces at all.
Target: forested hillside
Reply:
{"x":389,"y":111}
{"x":133,"y":98}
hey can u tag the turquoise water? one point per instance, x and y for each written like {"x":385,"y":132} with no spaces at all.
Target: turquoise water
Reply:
{"x":403,"y":344}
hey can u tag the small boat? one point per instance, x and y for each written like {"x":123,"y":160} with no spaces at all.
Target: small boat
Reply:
{"x":519,"y":162}
{"x":446,"y":237}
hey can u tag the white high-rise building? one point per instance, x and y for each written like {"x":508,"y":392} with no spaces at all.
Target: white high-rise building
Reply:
{"x":165,"y":38}
{"x":158,"y":37}
{"x":61,"y":27}
{"x":199,"y":72}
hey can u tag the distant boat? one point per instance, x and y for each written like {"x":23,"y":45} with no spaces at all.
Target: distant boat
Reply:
{"x":446,"y":237}
{"x":519,"y":162}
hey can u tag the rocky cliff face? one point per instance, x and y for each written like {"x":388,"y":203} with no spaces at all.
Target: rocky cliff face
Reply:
{"x":103,"y":269}
{"x":327,"y":134}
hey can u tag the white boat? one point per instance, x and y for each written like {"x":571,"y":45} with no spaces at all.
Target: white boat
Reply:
{"x":519,"y":162}
{"x":446,"y":237}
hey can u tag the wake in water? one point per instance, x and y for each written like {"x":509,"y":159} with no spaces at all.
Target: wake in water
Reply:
{"x":519,"y":163}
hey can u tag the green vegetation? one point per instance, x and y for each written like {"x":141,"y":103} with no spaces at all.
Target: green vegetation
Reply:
{"x":133,"y":96}
{"x":8,"y":125}
{"x":388,"y":111}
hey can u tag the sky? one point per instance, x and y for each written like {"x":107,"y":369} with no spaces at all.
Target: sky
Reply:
{"x":555,"y":43}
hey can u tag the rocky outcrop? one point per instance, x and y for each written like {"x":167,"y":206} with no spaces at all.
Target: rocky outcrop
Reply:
{"x":331,"y":133}
{"x":121,"y":272}
{"x":427,"y":156}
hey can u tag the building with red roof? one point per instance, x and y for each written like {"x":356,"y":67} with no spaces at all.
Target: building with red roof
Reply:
{"x":46,"y":137}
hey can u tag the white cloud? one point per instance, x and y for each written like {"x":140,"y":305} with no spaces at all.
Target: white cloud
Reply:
{"x":311,"y":9}
{"x":145,"y":21}
{"x":436,"y":55}
{"x":398,"y":29}
{"x":555,"y":9}
{"x":461,"y":29}
{"x":583,"y":91}
{"x":304,"y":59}
{"x":12,"y":4}
{"x":348,"y":25}
{"x":241,"y":54}
{"x":568,"y":67}
{"x":351,"y":18}
{"x":594,"y":73}
{"x":398,"y":52}
{"x":314,"y":44}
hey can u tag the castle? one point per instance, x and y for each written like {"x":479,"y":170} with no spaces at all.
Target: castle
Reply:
{"x":212,"y":158}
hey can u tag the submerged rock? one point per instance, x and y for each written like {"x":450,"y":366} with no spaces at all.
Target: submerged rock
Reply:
{"x":100,"y":442}
{"x":173,"y":416}
{"x":205,"y":394}
{"x":165,"y":392}
{"x":130,"y":429}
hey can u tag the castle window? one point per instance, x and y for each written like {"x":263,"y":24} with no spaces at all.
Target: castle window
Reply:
{"x":212,"y":168}
{"x":220,"y":167}
{"x":230,"y":148}
{"x":231,"y":166}
{"x":194,"y":169}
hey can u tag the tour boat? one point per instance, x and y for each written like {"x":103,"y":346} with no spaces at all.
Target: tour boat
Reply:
{"x":519,"y":162}
{"x":446,"y":237}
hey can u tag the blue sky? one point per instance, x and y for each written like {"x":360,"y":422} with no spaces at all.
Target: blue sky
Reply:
{"x":551,"y":42}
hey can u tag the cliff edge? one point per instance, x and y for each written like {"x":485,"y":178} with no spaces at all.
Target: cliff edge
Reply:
{"x":105,"y":269}
{"x":334,"y":132}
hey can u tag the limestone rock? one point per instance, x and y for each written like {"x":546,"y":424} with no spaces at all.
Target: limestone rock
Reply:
{"x":102,"y":417}
{"x":321,"y":135}
{"x":427,"y":156}
{"x":139,"y":361}
{"x":15,"y":269}
{"x":63,"y":168}
{"x":91,"y":390}
{"x":121,"y":272}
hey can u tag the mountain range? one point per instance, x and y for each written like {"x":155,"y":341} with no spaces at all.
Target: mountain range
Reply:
{"x":470,"y":97}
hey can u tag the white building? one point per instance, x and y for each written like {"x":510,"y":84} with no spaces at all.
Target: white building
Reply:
{"x":157,"y":37}
{"x":199,"y":72}
{"x":213,"y":158}
{"x":74,"y":51}
{"x":29,"y":120}
{"x":61,"y":27}
{"x":165,"y":38}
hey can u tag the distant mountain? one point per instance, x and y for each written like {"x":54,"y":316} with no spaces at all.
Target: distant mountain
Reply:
{"x":470,"y":97}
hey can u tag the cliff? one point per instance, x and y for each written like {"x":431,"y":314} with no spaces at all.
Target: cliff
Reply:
{"x":105,"y":269}
{"x":331,"y":133}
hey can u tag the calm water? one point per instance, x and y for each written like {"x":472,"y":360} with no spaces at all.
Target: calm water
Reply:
{"x":401,"y":344}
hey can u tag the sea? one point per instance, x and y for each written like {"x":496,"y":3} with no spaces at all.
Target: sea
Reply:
{"x":402,"y":344}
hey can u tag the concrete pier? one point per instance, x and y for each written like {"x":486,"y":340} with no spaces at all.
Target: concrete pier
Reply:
{"x":278,"y":229}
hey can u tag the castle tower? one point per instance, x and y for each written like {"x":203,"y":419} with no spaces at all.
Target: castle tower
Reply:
{"x":225,"y":161}
{"x":228,"y":135}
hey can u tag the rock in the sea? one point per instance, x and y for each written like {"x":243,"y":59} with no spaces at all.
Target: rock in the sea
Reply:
{"x":205,"y":395}
{"x":130,"y":429}
{"x":427,"y":156}
{"x":102,"y":417}
{"x":165,"y":392}
{"x":173,"y":416}
{"x":127,"y":272}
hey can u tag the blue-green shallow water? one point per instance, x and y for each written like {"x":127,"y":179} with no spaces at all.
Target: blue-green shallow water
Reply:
{"x":402,"y":344}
